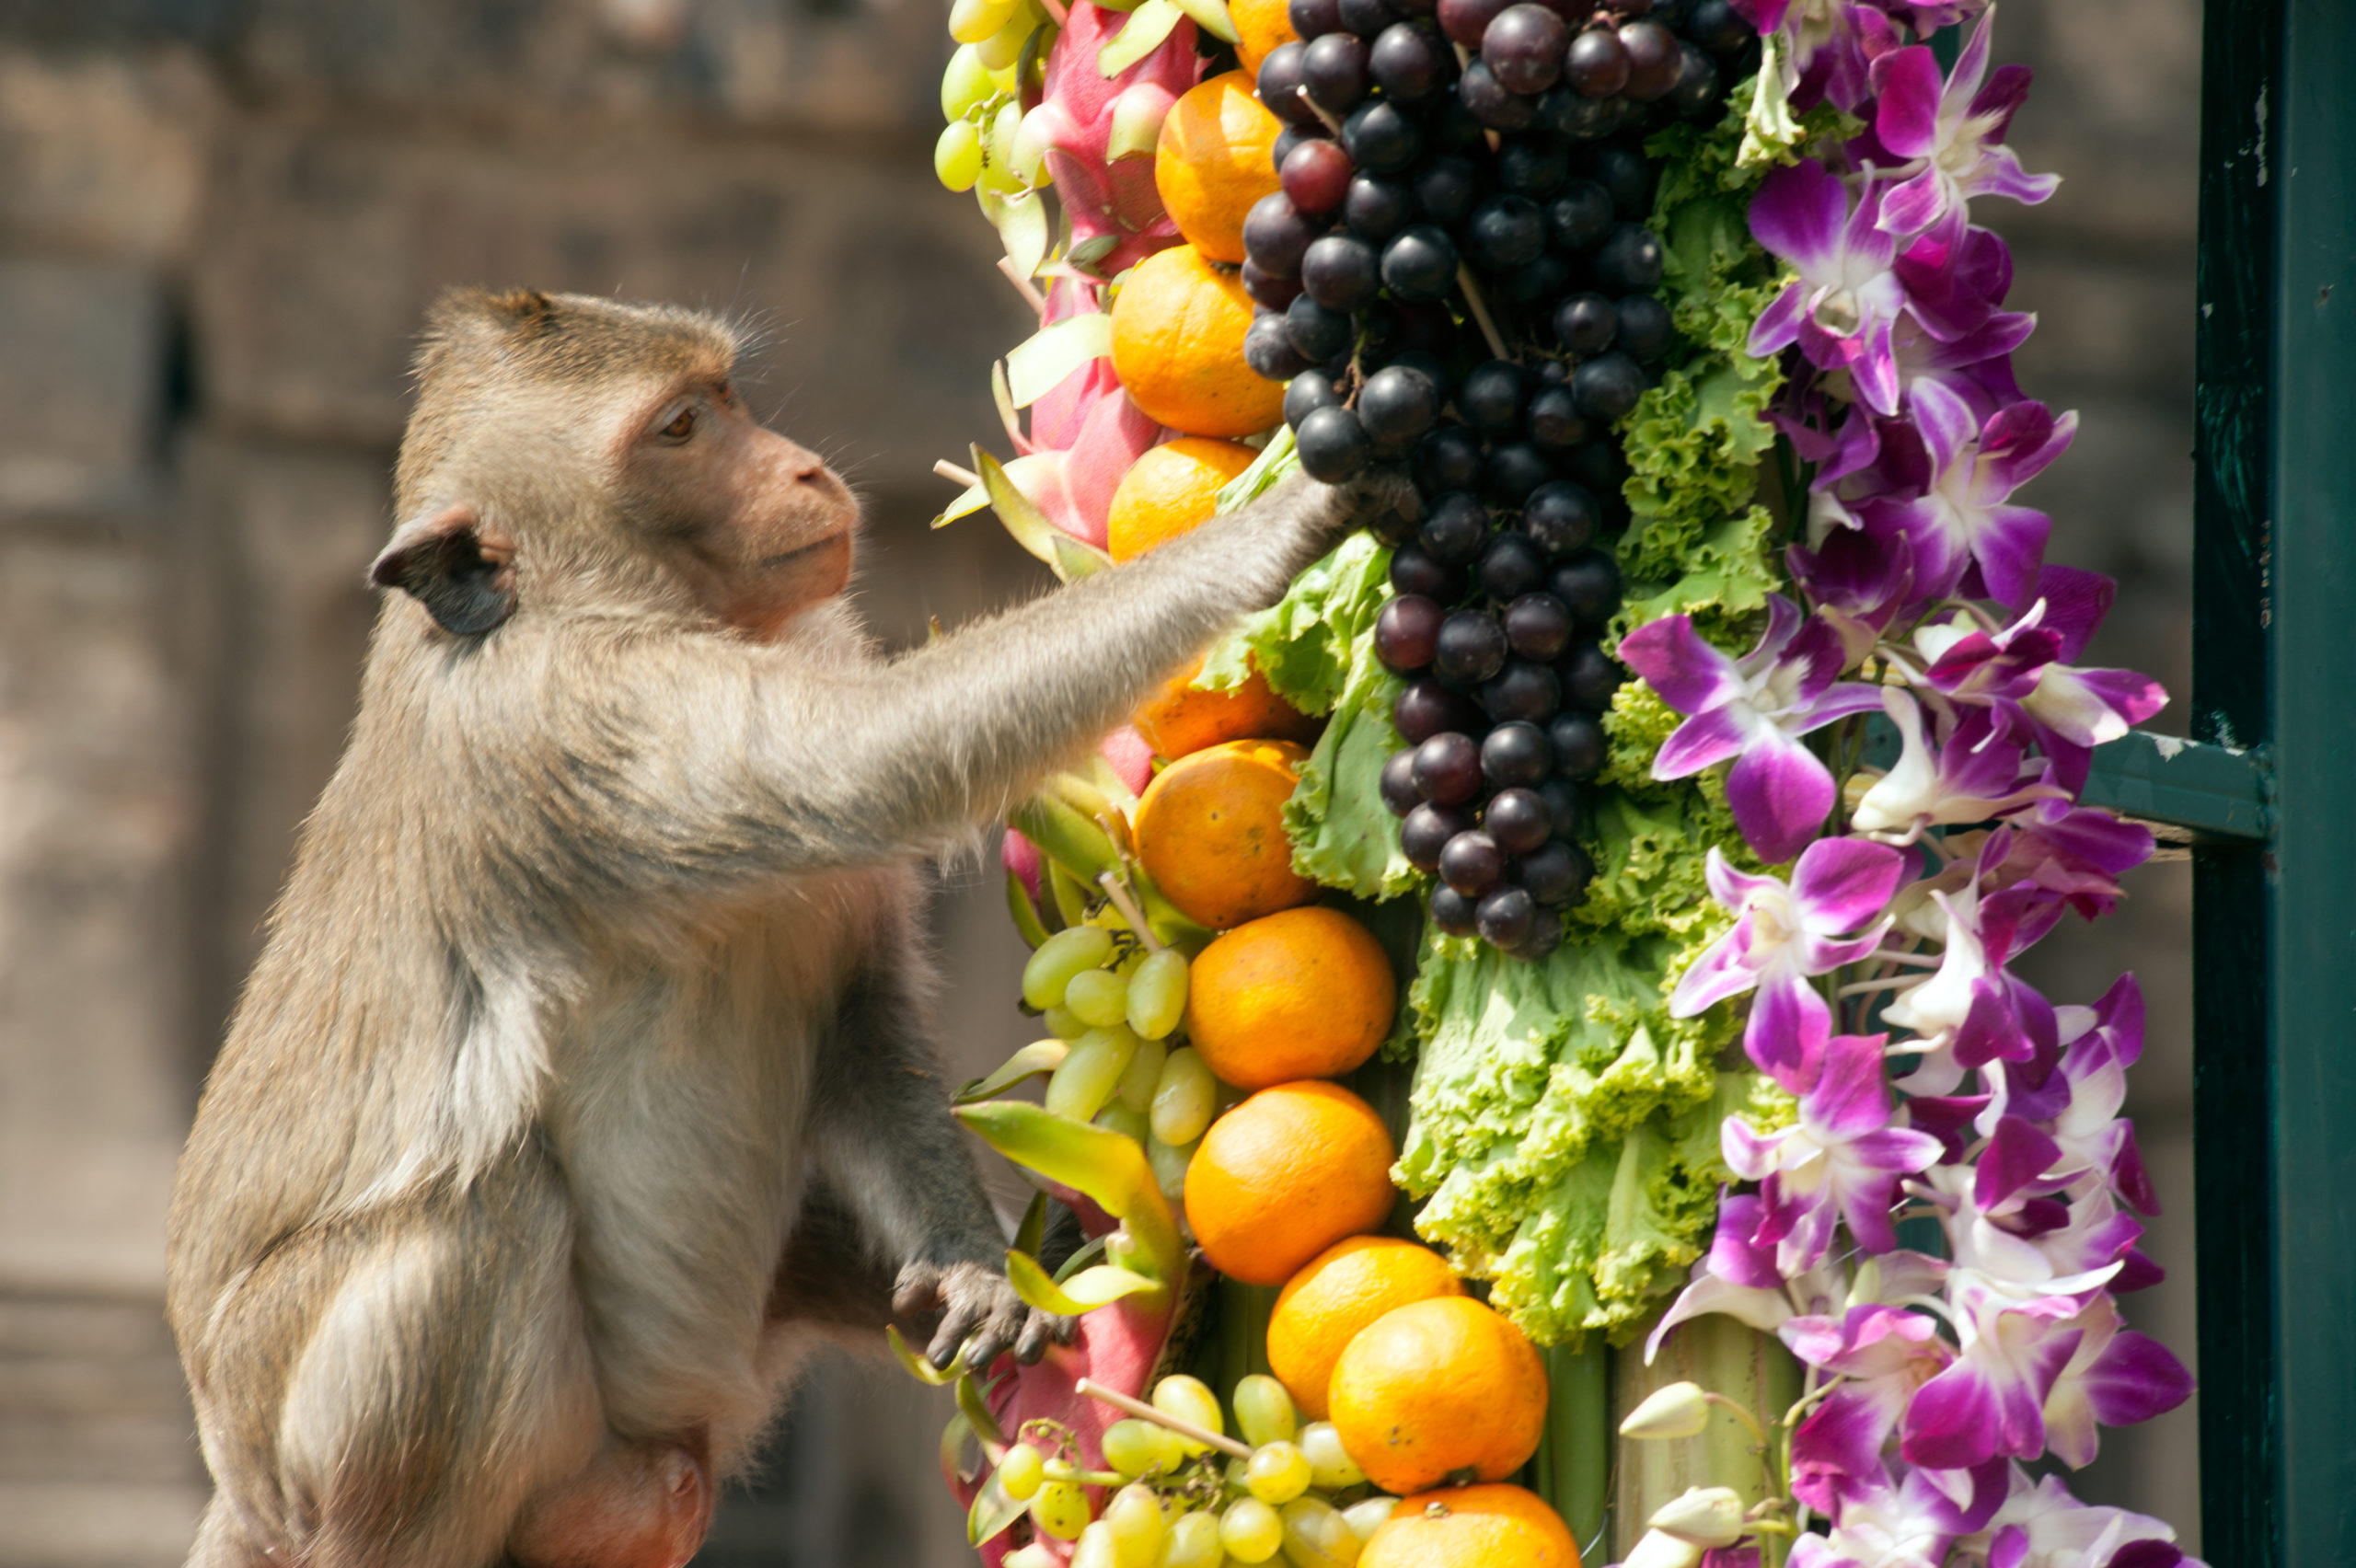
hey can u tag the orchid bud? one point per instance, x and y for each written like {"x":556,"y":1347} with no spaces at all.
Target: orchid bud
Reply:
{"x":1704,"y":1516}
{"x":1661,"y":1550}
{"x":1137,"y":115}
{"x":1680,"y":1410}
{"x":1865,"y":1289}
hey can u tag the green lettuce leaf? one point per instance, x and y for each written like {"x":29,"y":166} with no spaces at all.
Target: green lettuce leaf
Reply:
{"x":1303,"y":642}
{"x":1343,"y":835}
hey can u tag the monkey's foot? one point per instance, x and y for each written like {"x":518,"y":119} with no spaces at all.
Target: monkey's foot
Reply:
{"x":636,"y":1506}
{"x":971,"y":1306}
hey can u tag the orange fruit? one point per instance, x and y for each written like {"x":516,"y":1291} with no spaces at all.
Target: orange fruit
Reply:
{"x":1169,"y":489}
{"x":1260,"y":26}
{"x":1178,"y":331}
{"x":1214,"y":160}
{"x":1285,"y":1175}
{"x":1300,"y":994}
{"x":1471,"y":1526}
{"x":1438,"y":1390}
{"x":1210,"y":830}
{"x":1343,"y":1289}
{"x":1178,"y":719}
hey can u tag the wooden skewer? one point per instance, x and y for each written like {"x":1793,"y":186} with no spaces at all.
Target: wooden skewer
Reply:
{"x":1479,"y":311}
{"x":1024,"y":286}
{"x":1111,"y":883}
{"x":956,"y":475}
{"x":1144,"y":1411}
{"x":1318,"y":109}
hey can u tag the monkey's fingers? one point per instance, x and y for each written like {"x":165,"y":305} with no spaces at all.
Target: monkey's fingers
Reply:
{"x":1038,"y":1330}
{"x":957,"y":1326}
{"x":1002,"y":1330}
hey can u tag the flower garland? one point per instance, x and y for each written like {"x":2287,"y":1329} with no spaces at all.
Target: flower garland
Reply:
{"x":1880,"y":962}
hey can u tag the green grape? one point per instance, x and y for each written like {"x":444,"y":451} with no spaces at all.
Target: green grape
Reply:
{"x":1062,"y":1023}
{"x":1250,"y":1530}
{"x":1021,"y":1472}
{"x":1144,"y":1076}
{"x":1098,"y":997}
{"x":1076,"y":949}
{"x":1330,"y":1465}
{"x":1368,"y":1517}
{"x":1170,"y":1167}
{"x":1134,"y":1517}
{"x":1158,"y":994}
{"x":1277,"y":1473}
{"x":1192,"y":1542}
{"x":1118,"y":1118}
{"x":1060,"y":1508}
{"x":1317,"y":1536}
{"x":970,"y":21}
{"x":1182,"y":1101}
{"x":957,"y":155}
{"x":1029,"y":151}
{"x":1264,"y":1411}
{"x":1189,"y":1399}
{"x":965,"y":85}
{"x":1096,"y":1548}
{"x":999,"y":176}
{"x":1004,"y":47}
{"x":1090,"y":1071}
{"x":1137,"y":1448}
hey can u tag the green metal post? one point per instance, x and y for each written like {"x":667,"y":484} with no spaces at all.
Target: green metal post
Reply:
{"x":2275,"y":940}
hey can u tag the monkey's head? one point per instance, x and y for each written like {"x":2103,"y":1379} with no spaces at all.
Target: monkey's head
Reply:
{"x":566,"y":451}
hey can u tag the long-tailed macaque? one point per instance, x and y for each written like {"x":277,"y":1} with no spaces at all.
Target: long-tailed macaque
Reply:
{"x":587,"y":1073}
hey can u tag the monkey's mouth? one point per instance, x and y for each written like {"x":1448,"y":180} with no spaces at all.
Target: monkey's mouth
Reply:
{"x":802,"y":552}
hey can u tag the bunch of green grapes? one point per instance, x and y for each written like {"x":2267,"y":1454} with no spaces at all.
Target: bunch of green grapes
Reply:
{"x":1181,"y":1504}
{"x":981,"y":98}
{"x":1117,"y":1005}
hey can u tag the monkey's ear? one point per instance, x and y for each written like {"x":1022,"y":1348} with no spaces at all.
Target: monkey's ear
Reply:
{"x":465,"y":582}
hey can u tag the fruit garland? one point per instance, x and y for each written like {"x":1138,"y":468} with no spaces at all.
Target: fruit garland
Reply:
{"x":1674,"y":311}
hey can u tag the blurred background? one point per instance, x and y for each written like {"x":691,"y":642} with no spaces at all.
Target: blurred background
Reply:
{"x":220,"y":221}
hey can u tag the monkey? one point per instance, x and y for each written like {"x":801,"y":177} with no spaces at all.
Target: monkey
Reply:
{"x":586,"y":1078}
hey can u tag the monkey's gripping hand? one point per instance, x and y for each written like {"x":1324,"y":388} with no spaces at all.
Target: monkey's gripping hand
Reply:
{"x":971,"y":1306}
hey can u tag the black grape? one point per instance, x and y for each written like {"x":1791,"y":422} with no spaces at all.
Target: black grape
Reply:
{"x":1538,"y":627}
{"x":1510,"y":567}
{"x":1447,"y":768}
{"x":1310,"y":389}
{"x":1471,"y":863}
{"x":1398,"y":784}
{"x":1268,"y":348}
{"x":1333,"y":445}
{"x":1578,"y":744}
{"x":1429,"y":830}
{"x":1471,"y":647}
{"x":1406,"y":631}
{"x":1516,"y":755}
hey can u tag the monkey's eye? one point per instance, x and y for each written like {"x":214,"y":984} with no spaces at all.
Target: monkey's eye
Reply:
{"x":682,"y":423}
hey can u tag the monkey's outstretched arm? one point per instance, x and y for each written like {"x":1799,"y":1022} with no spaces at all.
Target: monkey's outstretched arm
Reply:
{"x":728,"y":764}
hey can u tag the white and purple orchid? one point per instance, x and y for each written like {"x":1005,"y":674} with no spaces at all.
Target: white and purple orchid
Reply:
{"x":1949,"y":132}
{"x":1753,"y":711}
{"x":1785,"y":934}
{"x":1914,"y":886}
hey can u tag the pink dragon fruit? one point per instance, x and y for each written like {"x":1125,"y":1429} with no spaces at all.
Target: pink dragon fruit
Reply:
{"x":1077,"y":119}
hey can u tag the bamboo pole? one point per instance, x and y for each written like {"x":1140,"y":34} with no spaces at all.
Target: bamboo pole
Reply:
{"x":1722,"y":1355}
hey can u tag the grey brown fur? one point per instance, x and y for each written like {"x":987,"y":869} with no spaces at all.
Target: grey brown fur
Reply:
{"x":600,"y":968}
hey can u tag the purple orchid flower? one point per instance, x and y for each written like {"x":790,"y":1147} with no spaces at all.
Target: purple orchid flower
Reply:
{"x":1969,"y":1011}
{"x":1991,"y":1402}
{"x":1783,"y":935}
{"x":1753,"y":710}
{"x":2078,"y":1106}
{"x":1826,"y":46}
{"x":2023,"y":670}
{"x":2003,"y":1232}
{"x":1973,"y":774}
{"x":1977,"y":365}
{"x":2115,"y":1378}
{"x":2039,"y":1525}
{"x":1907,"y":1525}
{"x":1738,"y":1277}
{"x":2069,"y":855}
{"x":1844,"y":305}
{"x":1881,"y":1355}
{"x":1965,"y":533}
{"x":1842,"y":1160}
{"x":1950,"y":132}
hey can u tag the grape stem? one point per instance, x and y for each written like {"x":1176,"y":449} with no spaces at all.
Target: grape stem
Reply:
{"x":1480,"y":308}
{"x":1118,"y":891}
{"x":1024,"y":286}
{"x":1331,"y":124}
{"x":1144,"y":1411}
{"x":956,"y":475}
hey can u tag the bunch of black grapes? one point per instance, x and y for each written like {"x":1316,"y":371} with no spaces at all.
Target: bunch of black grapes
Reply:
{"x":1487,"y":191}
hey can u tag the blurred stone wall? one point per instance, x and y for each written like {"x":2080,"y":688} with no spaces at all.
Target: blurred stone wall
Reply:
{"x":219,"y":222}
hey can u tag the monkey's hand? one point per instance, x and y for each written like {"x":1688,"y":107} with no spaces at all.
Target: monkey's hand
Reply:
{"x":971,"y":1306}
{"x":1300,"y":520}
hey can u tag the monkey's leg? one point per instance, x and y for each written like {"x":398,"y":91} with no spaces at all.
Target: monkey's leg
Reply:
{"x":387,"y":1391}
{"x":635,"y":1506}
{"x":886,"y":1143}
